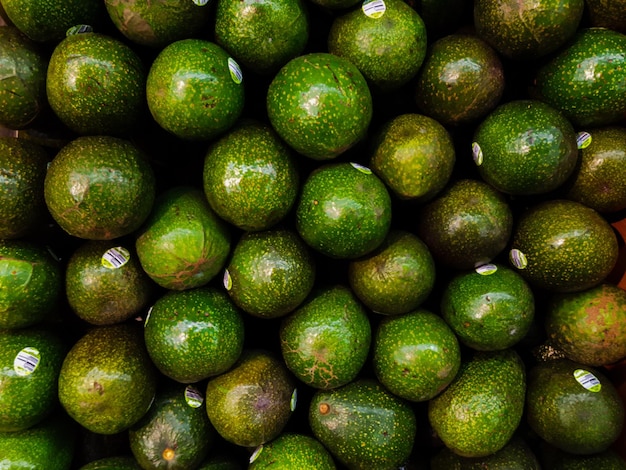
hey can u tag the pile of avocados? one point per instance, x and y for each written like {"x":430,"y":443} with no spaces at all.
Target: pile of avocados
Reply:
{"x":312,"y":234}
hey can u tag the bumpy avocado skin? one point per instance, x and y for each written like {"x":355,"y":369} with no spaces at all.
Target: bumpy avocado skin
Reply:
{"x":363,"y":425}
{"x":291,"y":450}
{"x":482,"y":408}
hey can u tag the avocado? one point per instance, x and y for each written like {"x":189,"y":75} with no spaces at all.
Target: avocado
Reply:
{"x":344,"y":210}
{"x":609,"y":14}
{"x":112,"y":463}
{"x":363,"y":425}
{"x":30,"y":362}
{"x":251,"y":403}
{"x":489,"y":308}
{"x":606,"y":460}
{"x":529,"y":30}
{"x":105,"y":284}
{"x":160,"y":23}
{"x":482,"y":408}
{"x":292,"y":450}
{"x":326,"y":342}
{"x":262,"y":36}
{"x":31,"y":283}
{"x":414,"y":155}
{"x":525,"y":147}
{"x":584,"y":80}
{"x":183,"y":244}
{"x":589,"y":326}
{"x":250,"y":177}
{"x":386,"y":40}
{"x":395,"y":278}
{"x":320,"y":105}
{"x":270,"y":273}
{"x":573,"y":407}
{"x":415,"y":355}
{"x":195,"y":89}
{"x":23,"y":88}
{"x":107,"y":381}
{"x":23,"y":167}
{"x":176,"y":432}
{"x":96,"y":84}
{"x":563,"y":246}
{"x":460,"y":81}
{"x":469,"y":223}
{"x":600,"y":179}
{"x":99,"y":187}
{"x":194,"y":334}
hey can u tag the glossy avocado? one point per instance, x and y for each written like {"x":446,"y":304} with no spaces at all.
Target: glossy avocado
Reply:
{"x":292,"y":450}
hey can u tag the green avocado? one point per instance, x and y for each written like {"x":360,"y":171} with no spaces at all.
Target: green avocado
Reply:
{"x":525,"y":31}
{"x":96,"y":84}
{"x":175,"y":433}
{"x":344,"y":210}
{"x":251,"y":403}
{"x":414,"y":155}
{"x":482,"y":408}
{"x":23,"y":167}
{"x":292,"y":450}
{"x":23,"y":87}
{"x":183,"y":244}
{"x":415,"y":355}
{"x":157,"y":24}
{"x":112,"y":463}
{"x":270,"y":273}
{"x":320,"y":104}
{"x":194,"y":334}
{"x":490,"y":308}
{"x":99,"y":187}
{"x":363,"y":425}
{"x":30,"y":362}
{"x":573,"y":407}
{"x":262,"y":36}
{"x":107,"y":381}
{"x":250,"y":177}
{"x":326,"y":342}
{"x":525,"y":147}
{"x":584,"y":80}
{"x":195,"y":89}
{"x":606,"y":460}
{"x":589,"y":326}
{"x":469,"y":223}
{"x":385,"y":40}
{"x":105,"y":284}
{"x":563,"y":246}
{"x":460,"y":81}
{"x":31,"y":283}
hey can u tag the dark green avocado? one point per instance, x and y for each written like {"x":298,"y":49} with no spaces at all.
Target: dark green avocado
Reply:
{"x":606,"y":460}
{"x":112,"y":463}
{"x":292,"y":450}
{"x":609,"y":14}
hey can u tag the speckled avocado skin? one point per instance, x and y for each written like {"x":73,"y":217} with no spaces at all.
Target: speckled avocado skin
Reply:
{"x":363,"y":425}
{"x":291,"y":450}
{"x":99,"y":187}
{"x":585,"y":80}
{"x":320,"y":104}
{"x":96,"y":84}
{"x":481,"y":409}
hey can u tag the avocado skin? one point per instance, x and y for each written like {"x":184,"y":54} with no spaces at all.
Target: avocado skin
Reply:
{"x":567,"y":415}
{"x":584,"y":80}
{"x":363,"y":425}
{"x":605,"y":460}
{"x":482,"y":408}
{"x":291,"y":450}
{"x":112,"y":463}
{"x":609,"y":14}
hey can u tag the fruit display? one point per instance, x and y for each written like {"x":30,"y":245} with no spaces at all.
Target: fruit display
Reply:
{"x":313,"y":234}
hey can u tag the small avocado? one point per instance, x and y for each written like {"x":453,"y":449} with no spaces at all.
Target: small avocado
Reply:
{"x":194,"y":334}
{"x":112,"y":463}
{"x":292,"y":450}
{"x":251,"y":403}
{"x":326,"y":342}
{"x":363,"y":425}
{"x":183,"y":244}
{"x":107,"y":381}
{"x":482,"y":408}
{"x":573,"y":407}
{"x":99,"y":187}
{"x":176,"y":432}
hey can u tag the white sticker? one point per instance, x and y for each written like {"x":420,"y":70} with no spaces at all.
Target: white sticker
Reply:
{"x":486,"y":269}
{"x":583,"y":140}
{"x":227,"y":280}
{"x":26,"y":361}
{"x":79,"y":29}
{"x":374,"y":8}
{"x":587,"y":380}
{"x":361,"y":168}
{"x":518,"y":259}
{"x":294,"y":400}
{"x":200,"y":3}
{"x":235,"y":71}
{"x":115,"y":258}
{"x":193,"y":397}
{"x":477,"y":154}
{"x":256,"y":453}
